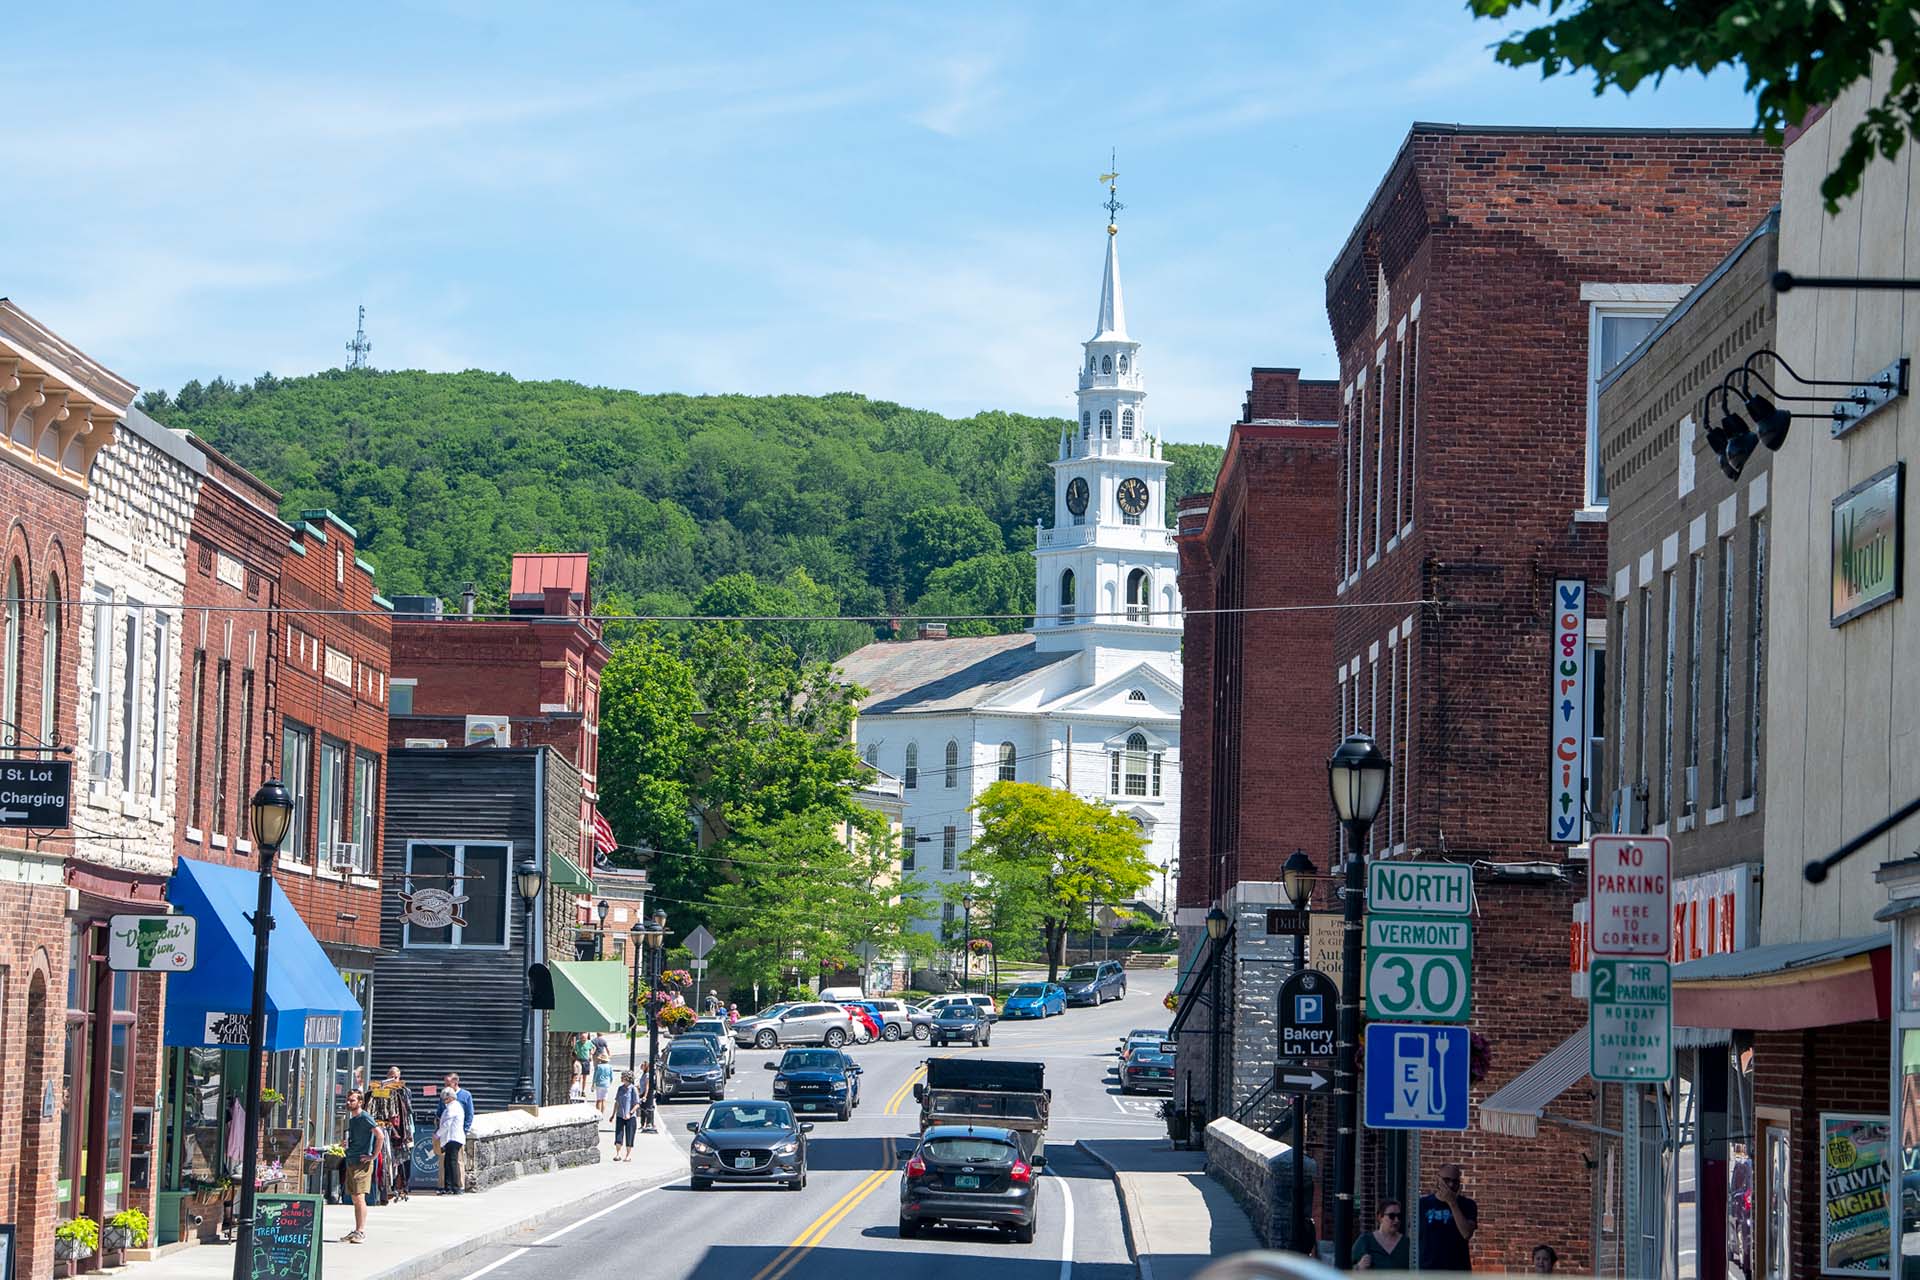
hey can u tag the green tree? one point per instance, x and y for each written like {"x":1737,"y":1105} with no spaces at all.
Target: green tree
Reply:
{"x":936,"y":537}
{"x":996,"y":583}
{"x":649,"y":741}
{"x":1795,"y":54}
{"x":1050,"y":855}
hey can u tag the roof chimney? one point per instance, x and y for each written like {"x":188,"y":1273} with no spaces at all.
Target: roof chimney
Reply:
{"x":466,"y":601}
{"x":933,"y":631}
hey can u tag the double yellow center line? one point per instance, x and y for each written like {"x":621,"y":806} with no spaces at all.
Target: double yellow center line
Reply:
{"x":822,"y":1226}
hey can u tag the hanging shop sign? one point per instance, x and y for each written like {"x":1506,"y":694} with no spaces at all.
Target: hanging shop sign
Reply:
{"x":151,"y":944}
{"x":1567,"y":696}
{"x":36,"y":793}
{"x":431,"y":908}
{"x":1867,"y":545}
{"x":1856,"y":1213}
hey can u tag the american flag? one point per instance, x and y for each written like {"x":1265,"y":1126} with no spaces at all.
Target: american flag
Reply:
{"x":603,"y":837}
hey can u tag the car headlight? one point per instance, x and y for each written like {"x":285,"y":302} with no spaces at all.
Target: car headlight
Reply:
{"x":840,"y":1086}
{"x":700,"y":1147}
{"x":787,"y":1149}
{"x":779,"y":1086}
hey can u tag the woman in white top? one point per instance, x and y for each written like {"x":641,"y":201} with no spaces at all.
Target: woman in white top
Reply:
{"x":449,"y":1136}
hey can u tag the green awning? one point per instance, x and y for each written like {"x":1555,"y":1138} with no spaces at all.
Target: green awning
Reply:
{"x":589,"y":995}
{"x":564,"y":873}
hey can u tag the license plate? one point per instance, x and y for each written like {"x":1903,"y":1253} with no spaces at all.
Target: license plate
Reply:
{"x":967,"y":1182}
{"x":743,"y":1162}
{"x":808,"y":1106}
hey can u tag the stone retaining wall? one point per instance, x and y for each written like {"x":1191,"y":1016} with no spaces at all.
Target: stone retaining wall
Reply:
{"x":504,"y":1145}
{"x":1259,"y":1173}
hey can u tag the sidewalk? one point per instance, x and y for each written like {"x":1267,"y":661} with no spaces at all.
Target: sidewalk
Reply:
{"x":1178,"y":1219}
{"x":429,"y":1231}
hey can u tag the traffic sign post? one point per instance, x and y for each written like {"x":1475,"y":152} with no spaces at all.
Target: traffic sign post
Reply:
{"x":698,"y":944}
{"x":1632,"y":908}
{"x":1416,"y":1076}
{"x":1309,"y":1019}
{"x":1419,"y":967}
{"x":1397,"y":887}
{"x":1630,"y":1020}
{"x":36,"y":793}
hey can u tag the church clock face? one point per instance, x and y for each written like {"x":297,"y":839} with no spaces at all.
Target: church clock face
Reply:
{"x":1077,"y":496}
{"x":1133,"y":495}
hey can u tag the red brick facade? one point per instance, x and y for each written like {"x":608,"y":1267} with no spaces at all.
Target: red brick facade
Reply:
{"x":1461,"y":308}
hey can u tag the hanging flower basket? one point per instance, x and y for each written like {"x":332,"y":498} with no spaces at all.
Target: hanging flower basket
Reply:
{"x":679,"y":978}
{"x":1171,"y":1000}
{"x":980,"y":945}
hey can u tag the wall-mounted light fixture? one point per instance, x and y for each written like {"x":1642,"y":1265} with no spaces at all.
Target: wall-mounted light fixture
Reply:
{"x":1733,"y":440}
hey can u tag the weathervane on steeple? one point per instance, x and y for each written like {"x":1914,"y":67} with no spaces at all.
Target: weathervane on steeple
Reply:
{"x":1113,"y":205}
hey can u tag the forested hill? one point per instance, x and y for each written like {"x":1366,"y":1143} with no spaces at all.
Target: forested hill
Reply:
{"x":832,"y":503}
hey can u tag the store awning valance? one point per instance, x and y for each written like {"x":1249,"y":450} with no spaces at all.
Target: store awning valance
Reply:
{"x":589,"y":995}
{"x":1516,"y":1109}
{"x":307,"y":1003}
{"x":564,"y":873}
{"x":1787,"y":986}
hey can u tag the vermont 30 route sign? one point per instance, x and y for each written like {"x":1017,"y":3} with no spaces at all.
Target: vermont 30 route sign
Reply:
{"x":1420,"y":968}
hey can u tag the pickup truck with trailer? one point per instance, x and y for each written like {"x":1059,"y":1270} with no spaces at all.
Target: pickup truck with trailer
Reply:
{"x":990,"y":1092}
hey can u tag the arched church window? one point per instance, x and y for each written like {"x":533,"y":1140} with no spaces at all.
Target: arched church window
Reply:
{"x":1126,"y":424}
{"x":911,"y":776}
{"x":1086,"y":425}
{"x":1136,"y":695}
{"x":1093,"y":364}
{"x":1006,"y":762}
{"x":953,"y":763}
{"x":1123,"y":364}
{"x":1106,"y":364}
{"x":1135,"y":766}
{"x":1066,"y":597}
{"x":1139,"y":596}
{"x":1106,"y":424}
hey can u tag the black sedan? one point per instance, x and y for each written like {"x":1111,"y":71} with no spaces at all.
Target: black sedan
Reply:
{"x":692,"y":1067}
{"x":960,"y":1022}
{"x":748,"y":1141}
{"x":969,"y":1174}
{"x":1147,"y":1070}
{"x":817,"y":1080}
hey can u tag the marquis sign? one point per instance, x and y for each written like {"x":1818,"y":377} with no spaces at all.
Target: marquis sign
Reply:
{"x":1867,"y":538}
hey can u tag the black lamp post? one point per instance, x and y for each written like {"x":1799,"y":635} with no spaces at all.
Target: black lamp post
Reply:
{"x":1297,"y":879}
{"x":639,"y":940}
{"x":657,"y":935}
{"x":966,"y":940}
{"x":1357,"y":778}
{"x":272,"y":816}
{"x":600,"y":909}
{"x":1217,"y":926}
{"x":527,"y":878}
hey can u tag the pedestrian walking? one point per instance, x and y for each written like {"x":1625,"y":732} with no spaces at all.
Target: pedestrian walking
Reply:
{"x":358,"y":1162}
{"x":582,"y":1055}
{"x":602,"y":1081}
{"x":449,"y":1138}
{"x":1448,"y":1220}
{"x":645,"y":1084}
{"x":1545,"y":1259}
{"x":465,"y":1099}
{"x":1385,"y":1247}
{"x":626,"y":1116}
{"x":733,"y":1014}
{"x":713,"y":1003}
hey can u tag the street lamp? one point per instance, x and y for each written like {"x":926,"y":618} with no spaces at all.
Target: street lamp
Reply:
{"x":272,"y":816}
{"x":966,"y":940}
{"x":600,"y":939}
{"x":527,"y":878}
{"x":1218,"y":924}
{"x":638,"y":938}
{"x":1296,"y":877}
{"x":657,"y":934}
{"x":1357,"y":778}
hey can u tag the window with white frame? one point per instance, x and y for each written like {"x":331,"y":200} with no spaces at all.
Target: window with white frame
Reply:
{"x":12,"y":655}
{"x":907,"y":838}
{"x":1614,"y":329}
{"x":1410,"y":376}
{"x":296,"y":770}
{"x":1360,"y":479}
{"x":133,"y":623}
{"x":1670,"y":581}
{"x":1393,"y":737}
{"x":953,"y":764}
{"x":1379,"y":456}
{"x":1007,"y":762}
{"x":1106,"y":424}
{"x":1596,"y":717}
{"x":949,"y":849}
{"x":1139,"y":596}
{"x":100,"y":697}
{"x":1756,"y":652}
{"x":366,"y":792}
{"x":1135,"y":766}
{"x":910,"y":776}
{"x":872,"y":756}
{"x":50,"y":667}
{"x":243,"y":794}
{"x":1640,"y":694}
{"x":478,"y":872}
{"x":1126,"y":424}
{"x":332,"y":796}
{"x":222,"y":721}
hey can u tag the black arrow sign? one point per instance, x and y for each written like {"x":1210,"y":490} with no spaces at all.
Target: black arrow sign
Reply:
{"x":1302,"y":1081}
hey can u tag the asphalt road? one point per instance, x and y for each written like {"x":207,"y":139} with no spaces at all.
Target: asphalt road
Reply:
{"x":847,"y":1219}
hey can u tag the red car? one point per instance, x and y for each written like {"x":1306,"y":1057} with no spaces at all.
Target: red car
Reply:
{"x":863,"y":1019}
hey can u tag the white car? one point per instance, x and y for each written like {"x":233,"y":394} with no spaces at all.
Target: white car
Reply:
{"x":982,"y":1002}
{"x":719,"y":1030}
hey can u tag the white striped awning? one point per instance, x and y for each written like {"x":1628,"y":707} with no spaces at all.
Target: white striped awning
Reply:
{"x":1516,"y":1109}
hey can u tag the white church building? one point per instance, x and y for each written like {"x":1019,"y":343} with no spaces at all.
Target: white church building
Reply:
{"x":1088,"y":699}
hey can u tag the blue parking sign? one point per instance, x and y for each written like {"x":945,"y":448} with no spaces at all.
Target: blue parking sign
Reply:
{"x":1308,"y":1008}
{"x":1416,"y":1076}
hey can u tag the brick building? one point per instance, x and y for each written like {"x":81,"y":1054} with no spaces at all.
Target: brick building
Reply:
{"x":1493,"y":280}
{"x":1262,"y":537}
{"x":60,"y":410}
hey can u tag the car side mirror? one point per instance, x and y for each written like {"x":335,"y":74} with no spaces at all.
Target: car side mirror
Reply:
{"x":770,"y":1066}
{"x":919,"y":1093}
{"x":806,"y":1128}
{"x":1038,"y":1161}
{"x":693,"y":1126}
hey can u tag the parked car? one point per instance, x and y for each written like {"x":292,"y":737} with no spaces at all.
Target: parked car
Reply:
{"x":719,"y":1030}
{"x":921,"y":1019}
{"x":1096,"y":983}
{"x":970,"y":1174}
{"x":690,"y":1066}
{"x":894,"y":1017}
{"x":959,"y":1021}
{"x":817,"y":1080}
{"x":840,"y":995}
{"x":982,"y":1002}
{"x":1148,"y":1069}
{"x":748,"y":1142}
{"x":1036,"y":1000}
{"x":722,"y":1047}
{"x":802,"y":1023}
{"x":865,"y":1029}
{"x":1149,"y":1037}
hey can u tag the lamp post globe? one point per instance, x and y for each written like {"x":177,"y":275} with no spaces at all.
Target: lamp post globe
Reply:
{"x":1357,"y":778}
{"x":1217,"y":923}
{"x":1297,"y":877}
{"x":527,"y":877}
{"x":272,"y":813}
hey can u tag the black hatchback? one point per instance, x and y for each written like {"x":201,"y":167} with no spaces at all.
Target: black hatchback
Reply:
{"x":749,"y":1141}
{"x":973,"y":1175}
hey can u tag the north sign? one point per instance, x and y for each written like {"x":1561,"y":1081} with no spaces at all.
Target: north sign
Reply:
{"x":1419,"y":967}
{"x":1309,"y":1015}
{"x":1419,"y":888}
{"x":36,"y":793}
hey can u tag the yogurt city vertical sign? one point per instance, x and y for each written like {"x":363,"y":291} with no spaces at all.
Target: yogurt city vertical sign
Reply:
{"x":1566,"y":796}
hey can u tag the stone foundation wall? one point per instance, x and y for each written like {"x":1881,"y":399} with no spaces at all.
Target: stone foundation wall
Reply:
{"x":1259,"y":1173}
{"x":504,"y":1145}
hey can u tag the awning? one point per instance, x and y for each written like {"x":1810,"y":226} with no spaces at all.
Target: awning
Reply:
{"x":1516,"y":1109}
{"x":1188,"y":999}
{"x":564,"y":873}
{"x":1786,"y":986}
{"x":588,"y":995}
{"x":307,"y":1003}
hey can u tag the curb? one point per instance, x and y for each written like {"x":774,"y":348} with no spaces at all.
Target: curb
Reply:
{"x":426,"y":1264}
{"x":1140,"y":1263}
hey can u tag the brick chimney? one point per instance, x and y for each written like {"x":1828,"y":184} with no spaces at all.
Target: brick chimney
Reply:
{"x":1275,"y":396}
{"x":933,"y":631}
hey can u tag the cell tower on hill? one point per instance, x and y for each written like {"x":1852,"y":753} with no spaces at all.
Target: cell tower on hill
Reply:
{"x":359,"y":346}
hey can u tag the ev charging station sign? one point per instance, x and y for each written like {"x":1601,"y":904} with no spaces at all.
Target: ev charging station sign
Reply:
{"x":1416,"y":1076}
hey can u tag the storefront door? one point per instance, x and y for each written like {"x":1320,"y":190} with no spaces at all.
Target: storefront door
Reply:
{"x":99,"y":1047}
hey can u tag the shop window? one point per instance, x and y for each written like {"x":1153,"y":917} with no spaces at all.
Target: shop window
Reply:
{"x":332,"y":804}
{"x":949,"y":851}
{"x":296,"y":765}
{"x":366,"y":792}
{"x":481,"y":873}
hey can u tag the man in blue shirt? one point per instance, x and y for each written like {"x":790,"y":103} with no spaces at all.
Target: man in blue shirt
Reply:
{"x":1447,"y":1222}
{"x":465,"y":1100}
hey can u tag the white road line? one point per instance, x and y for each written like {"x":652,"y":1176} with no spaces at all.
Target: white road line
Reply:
{"x":497,"y":1263}
{"x":521,"y":1252}
{"x":1066,"y":1229}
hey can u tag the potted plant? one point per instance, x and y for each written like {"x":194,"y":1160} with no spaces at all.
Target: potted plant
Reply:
{"x":270,"y":1098}
{"x":75,"y":1240}
{"x":127,"y":1229}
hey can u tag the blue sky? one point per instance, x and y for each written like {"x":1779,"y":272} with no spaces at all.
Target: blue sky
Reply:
{"x":898,"y":200}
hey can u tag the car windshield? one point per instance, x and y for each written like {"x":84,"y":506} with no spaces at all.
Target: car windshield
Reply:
{"x":748,"y":1115}
{"x":970,"y":1150}
{"x":689,"y":1055}
{"x":710,"y":1026}
{"x":773,"y":1011}
{"x":956,"y":1012}
{"x":1029,"y":993}
{"x":1083,"y":973}
{"x":811,"y":1060}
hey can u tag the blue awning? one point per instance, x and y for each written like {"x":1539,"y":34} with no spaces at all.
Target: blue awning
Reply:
{"x":307,"y":1003}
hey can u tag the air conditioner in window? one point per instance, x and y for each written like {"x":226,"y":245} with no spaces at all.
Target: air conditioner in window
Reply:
{"x":1692,"y":791}
{"x":100,"y":763}
{"x":440,"y":743}
{"x":346,"y":854}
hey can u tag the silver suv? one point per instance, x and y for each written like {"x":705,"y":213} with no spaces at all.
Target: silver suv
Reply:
{"x":895,"y":1019}
{"x":826,"y":1024}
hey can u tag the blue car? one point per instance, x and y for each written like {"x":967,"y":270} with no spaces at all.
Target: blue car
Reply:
{"x":1036,"y":1000}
